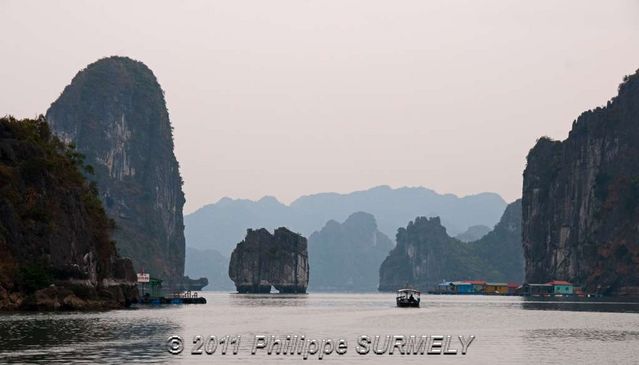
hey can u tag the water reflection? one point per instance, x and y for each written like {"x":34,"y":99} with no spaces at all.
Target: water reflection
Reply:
{"x":614,"y":305}
{"x":67,"y":337}
{"x":583,"y":334}
{"x":508,"y":329}
{"x":273,"y":299}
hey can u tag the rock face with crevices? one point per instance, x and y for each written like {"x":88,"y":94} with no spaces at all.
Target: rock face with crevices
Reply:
{"x":115,"y":114}
{"x":581,"y":200}
{"x":263,"y":260}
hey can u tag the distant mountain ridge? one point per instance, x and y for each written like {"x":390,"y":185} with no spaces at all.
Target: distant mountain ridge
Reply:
{"x":222,"y":225}
{"x":473,"y":233}
{"x":209,"y":264}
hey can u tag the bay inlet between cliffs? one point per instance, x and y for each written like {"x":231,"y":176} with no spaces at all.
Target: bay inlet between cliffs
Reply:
{"x":507,"y":330}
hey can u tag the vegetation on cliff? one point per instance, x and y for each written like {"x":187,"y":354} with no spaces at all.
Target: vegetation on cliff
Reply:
{"x":581,"y":200}
{"x":115,"y":113}
{"x":53,"y":229}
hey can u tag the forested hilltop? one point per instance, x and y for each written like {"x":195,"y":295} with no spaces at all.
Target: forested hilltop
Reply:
{"x":55,"y":237}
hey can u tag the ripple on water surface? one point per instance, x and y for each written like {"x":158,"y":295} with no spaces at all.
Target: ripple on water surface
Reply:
{"x":508,"y":329}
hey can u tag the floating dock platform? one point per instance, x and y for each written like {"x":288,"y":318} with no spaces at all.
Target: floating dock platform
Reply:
{"x":183,"y":298}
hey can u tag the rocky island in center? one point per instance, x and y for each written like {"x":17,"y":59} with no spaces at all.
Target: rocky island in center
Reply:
{"x":263,"y":260}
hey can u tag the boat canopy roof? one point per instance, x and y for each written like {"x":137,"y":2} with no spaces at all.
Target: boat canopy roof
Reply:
{"x":408,"y":291}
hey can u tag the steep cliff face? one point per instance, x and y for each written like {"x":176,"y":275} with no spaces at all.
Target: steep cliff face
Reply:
{"x":581,"y":200}
{"x":425,"y":255}
{"x":115,"y":114}
{"x":263,"y":260}
{"x":55,"y":245}
{"x":347,"y":256}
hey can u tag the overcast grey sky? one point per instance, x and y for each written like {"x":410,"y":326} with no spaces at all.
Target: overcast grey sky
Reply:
{"x":292,"y":97}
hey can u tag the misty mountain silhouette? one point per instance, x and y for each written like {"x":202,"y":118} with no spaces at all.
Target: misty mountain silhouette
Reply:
{"x":222,"y":225}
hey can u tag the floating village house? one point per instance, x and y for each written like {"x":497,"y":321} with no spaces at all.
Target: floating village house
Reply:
{"x":555,"y":287}
{"x":458,"y":287}
{"x":475,"y":287}
{"x":478,"y":285}
{"x":561,"y":287}
{"x":462,"y":287}
{"x":445,"y":287}
{"x":496,"y":288}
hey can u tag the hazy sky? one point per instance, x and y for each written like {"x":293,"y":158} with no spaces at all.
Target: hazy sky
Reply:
{"x":286,"y":98}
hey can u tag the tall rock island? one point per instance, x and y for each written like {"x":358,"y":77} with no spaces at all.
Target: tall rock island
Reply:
{"x":263,"y":260}
{"x":347,"y":256}
{"x":426,"y":255}
{"x":581,"y":200}
{"x":115,"y":114}
{"x":56,"y":250}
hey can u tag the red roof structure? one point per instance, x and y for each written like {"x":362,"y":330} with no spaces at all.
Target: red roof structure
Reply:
{"x":475,"y":282}
{"x":558,"y":282}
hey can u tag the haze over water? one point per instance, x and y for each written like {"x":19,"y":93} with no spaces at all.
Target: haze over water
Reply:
{"x":508,"y":329}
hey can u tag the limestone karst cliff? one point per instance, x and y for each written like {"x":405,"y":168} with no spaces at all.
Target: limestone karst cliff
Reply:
{"x":56,"y":250}
{"x":263,"y":260}
{"x":426,"y":255}
{"x":581,"y":200}
{"x":115,"y":114}
{"x":346,"y":256}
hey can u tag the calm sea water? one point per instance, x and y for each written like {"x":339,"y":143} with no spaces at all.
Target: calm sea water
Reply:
{"x":508,"y":330}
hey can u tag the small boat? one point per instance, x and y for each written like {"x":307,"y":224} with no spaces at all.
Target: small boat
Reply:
{"x":407,"y":298}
